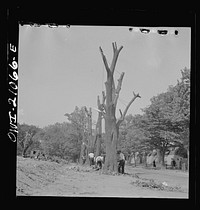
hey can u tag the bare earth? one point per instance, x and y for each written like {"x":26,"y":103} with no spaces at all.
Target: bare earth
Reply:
{"x":44,"y":178}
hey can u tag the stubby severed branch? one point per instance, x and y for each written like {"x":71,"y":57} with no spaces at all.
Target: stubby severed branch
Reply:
{"x":103,"y":97}
{"x":120,"y":112}
{"x":103,"y":101}
{"x":127,"y":107}
{"x":115,"y":56}
{"x":105,"y":61}
{"x":119,"y":85}
{"x":114,"y":60}
{"x":101,"y":106}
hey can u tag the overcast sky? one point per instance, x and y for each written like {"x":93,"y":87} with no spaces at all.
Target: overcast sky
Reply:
{"x":60,"y":68}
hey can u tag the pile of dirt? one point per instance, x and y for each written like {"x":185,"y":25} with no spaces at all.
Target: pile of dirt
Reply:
{"x":34,"y":174}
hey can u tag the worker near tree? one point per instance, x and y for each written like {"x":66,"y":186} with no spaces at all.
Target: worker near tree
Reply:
{"x":99,"y":162}
{"x":121,"y":161}
{"x":91,"y":158}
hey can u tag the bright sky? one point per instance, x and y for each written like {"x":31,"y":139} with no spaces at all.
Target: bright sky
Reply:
{"x":60,"y":68}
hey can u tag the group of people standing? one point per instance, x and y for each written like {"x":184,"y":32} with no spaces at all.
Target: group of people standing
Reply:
{"x":100,"y":160}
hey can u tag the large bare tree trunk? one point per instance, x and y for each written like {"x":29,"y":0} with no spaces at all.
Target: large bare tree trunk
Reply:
{"x":98,"y":136}
{"x":111,"y":123}
{"x":111,"y":130}
{"x":83,"y":153}
{"x":89,"y":129}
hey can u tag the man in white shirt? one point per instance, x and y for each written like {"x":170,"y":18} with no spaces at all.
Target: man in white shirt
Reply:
{"x":91,"y":158}
{"x":99,"y":161}
{"x":121,"y":161}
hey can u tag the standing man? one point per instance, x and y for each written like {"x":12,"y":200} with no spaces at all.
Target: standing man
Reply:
{"x":154,"y":163}
{"x":121,"y":161}
{"x":91,"y":158}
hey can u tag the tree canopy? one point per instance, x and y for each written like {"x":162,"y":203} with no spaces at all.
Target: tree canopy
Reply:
{"x":164,"y":123}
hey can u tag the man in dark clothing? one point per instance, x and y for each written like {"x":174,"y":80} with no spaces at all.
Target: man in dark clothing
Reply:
{"x":154,"y":164}
{"x":173,"y":163}
{"x":121,"y":161}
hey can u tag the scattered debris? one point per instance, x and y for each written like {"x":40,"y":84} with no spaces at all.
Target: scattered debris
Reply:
{"x":153,"y":185}
{"x":165,"y":184}
{"x":50,"y":178}
{"x":80,"y":168}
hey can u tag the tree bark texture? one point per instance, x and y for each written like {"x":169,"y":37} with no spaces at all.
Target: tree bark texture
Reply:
{"x":98,"y":137}
{"x":83,"y":152}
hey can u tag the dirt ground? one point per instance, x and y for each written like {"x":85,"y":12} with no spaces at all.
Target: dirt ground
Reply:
{"x":44,"y":178}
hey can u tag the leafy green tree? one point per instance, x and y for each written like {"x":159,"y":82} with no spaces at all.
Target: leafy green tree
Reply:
{"x":132,"y":136}
{"x":181,"y":106}
{"x":26,"y":138}
{"x":61,"y":140}
{"x":79,"y":121}
{"x":167,"y":118}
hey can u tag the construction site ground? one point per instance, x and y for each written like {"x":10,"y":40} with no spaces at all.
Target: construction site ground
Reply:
{"x":45,"y":178}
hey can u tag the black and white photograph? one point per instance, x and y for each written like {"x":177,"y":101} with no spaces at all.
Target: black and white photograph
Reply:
{"x":103,"y":111}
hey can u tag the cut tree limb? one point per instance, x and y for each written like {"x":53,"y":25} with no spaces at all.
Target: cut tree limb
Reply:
{"x":105,"y":61}
{"x":120,"y":112}
{"x":127,"y":107}
{"x":103,"y":101}
{"x":101,"y":107}
{"x":115,"y":56}
{"x":103,"y":97}
{"x":119,"y":85}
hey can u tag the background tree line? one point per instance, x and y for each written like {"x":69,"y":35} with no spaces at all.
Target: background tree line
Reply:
{"x":62,"y":140}
{"x":164,"y":124}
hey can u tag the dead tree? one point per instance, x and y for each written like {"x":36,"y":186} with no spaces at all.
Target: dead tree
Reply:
{"x":98,"y":131}
{"x":87,"y":142}
{"x":111,"y":123}
{"x":89,"y":129}
{"x":83,"y":153}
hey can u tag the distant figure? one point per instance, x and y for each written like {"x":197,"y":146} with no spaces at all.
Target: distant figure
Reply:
{"x":99,"y":162}
{"x":180,"y":163}
{"x":91,"y":158}
{"x":121,"y":161}
{"x":154,"y":163}
{"x":173,"y":163}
